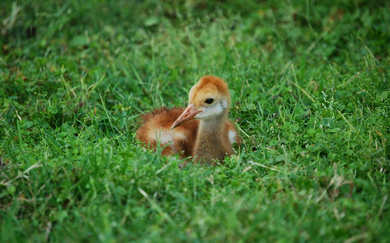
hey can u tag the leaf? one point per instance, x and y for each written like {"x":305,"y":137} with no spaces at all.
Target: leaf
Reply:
{"x":52,"y":110}
{"x":250,"y":107}
{"x":28,"y":124}
{"x":311,"y":131}
{"x":151,"y":21}
{"x":384,"y":95}
{"x":80,"y":40}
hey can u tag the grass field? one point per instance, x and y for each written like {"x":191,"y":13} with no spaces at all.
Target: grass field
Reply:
{"x":310,"y":96}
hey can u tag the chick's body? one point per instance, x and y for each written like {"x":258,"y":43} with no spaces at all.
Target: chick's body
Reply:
{"x":201,"y":130}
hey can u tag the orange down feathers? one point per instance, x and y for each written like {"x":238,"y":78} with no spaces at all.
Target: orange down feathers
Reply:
{"x":202,"y":130}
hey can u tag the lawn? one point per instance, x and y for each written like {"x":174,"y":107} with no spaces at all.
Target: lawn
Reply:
{"x":310,"y":97}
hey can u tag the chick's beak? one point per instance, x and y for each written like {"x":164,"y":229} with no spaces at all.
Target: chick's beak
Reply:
{"x":188,"y":114}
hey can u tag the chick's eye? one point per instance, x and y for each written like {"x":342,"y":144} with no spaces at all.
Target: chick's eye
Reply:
{"x":209,"y":100}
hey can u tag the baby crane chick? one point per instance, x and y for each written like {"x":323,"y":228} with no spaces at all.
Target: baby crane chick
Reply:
{"x":201,"y":130}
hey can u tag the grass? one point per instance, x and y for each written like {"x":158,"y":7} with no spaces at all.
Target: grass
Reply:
{"x":311,"y":99}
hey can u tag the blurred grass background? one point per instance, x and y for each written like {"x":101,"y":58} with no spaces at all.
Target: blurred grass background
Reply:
{"x":310,"y":87}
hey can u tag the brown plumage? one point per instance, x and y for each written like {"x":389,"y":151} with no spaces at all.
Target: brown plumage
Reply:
{"x":201,"y":130}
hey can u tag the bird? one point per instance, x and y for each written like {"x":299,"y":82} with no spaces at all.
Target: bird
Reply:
{"x":202,"y":130}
